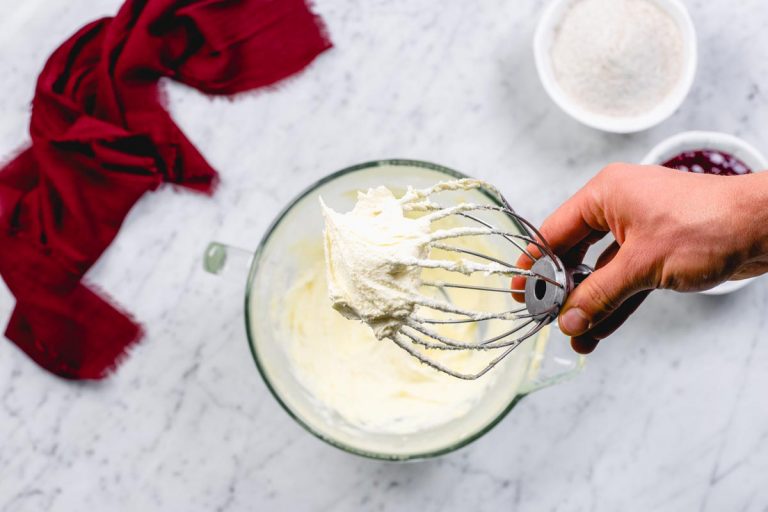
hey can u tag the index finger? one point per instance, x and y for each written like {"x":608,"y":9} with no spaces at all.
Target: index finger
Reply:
{"x":577,"y":221}
{"x":574,"y":221}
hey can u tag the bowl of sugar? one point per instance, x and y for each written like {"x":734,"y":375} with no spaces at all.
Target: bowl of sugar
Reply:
{"x":620,"y":66}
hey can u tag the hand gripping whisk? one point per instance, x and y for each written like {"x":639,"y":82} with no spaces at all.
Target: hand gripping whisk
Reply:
{"x":547,"y":283}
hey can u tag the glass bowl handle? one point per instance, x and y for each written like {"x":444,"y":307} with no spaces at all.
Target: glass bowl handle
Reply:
{"x":227,"y":261}
{"x":553,"y":361}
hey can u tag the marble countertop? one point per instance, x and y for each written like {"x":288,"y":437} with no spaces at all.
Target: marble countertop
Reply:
{"x":670,"y":414}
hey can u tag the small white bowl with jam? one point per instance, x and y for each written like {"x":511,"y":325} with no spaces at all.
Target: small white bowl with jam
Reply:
{"x":709,"y":153}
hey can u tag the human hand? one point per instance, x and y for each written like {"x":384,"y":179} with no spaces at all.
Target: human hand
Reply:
{"x":674,"y":230}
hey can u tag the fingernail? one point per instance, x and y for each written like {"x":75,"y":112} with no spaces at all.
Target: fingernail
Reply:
{"x":574,"y":322}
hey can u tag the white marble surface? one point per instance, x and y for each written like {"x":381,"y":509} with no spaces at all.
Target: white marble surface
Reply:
{"x":671,"y":414}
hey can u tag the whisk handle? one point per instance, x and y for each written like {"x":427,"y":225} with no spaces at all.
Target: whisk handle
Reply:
{"x":577,"y":275}
{"x":546,"y":293}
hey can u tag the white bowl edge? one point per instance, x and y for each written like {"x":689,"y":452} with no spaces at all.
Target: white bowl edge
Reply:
{"x":542,"y":41}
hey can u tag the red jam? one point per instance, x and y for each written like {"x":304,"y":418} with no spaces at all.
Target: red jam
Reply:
{"x":708,"y":161}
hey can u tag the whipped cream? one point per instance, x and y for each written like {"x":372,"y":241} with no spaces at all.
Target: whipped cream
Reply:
{"x":367,"y":251}
{"x":375,"y":254}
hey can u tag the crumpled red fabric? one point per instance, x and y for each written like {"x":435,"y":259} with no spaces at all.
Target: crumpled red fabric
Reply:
{"x":101,"y":139}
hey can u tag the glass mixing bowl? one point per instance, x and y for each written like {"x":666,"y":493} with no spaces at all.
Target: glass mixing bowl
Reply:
{"x":278,"y":261}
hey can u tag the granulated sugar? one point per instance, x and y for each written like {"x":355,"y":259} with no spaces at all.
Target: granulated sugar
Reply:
{"x":617,"y":57}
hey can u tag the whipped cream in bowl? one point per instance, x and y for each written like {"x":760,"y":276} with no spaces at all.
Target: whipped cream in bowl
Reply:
{"x":318,"y":332}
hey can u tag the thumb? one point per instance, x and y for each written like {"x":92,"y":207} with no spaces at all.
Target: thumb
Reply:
{"x":601,"y":294}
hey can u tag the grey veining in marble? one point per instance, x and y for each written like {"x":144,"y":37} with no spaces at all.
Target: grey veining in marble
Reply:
{"x":671,"y":414}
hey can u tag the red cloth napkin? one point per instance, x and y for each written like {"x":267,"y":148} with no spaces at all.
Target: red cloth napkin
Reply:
{"x":101,"y":139}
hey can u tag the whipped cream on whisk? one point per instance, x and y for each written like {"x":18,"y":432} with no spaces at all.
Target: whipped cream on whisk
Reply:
{"x":366,"y":251}
{"x":375,"y":253}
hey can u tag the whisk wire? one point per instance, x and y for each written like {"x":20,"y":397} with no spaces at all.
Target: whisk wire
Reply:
{"x":438,"y":284}
{"x":547,"y":285}
{"x":449,"y":343}
{"x":509,"y":239}
{"x":406,"y":345}
{"x":534,"y":235}
{"x":451,"y":248}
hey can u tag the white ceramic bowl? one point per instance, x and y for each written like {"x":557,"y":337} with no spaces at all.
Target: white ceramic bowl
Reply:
{"x":542,"y":43}
{"x":693,"y":140}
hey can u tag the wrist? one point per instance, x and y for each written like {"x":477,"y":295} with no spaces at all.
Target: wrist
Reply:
{"x":750,"y":209}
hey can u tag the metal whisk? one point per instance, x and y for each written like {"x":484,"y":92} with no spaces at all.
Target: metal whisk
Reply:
{"x":547,"y":285}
